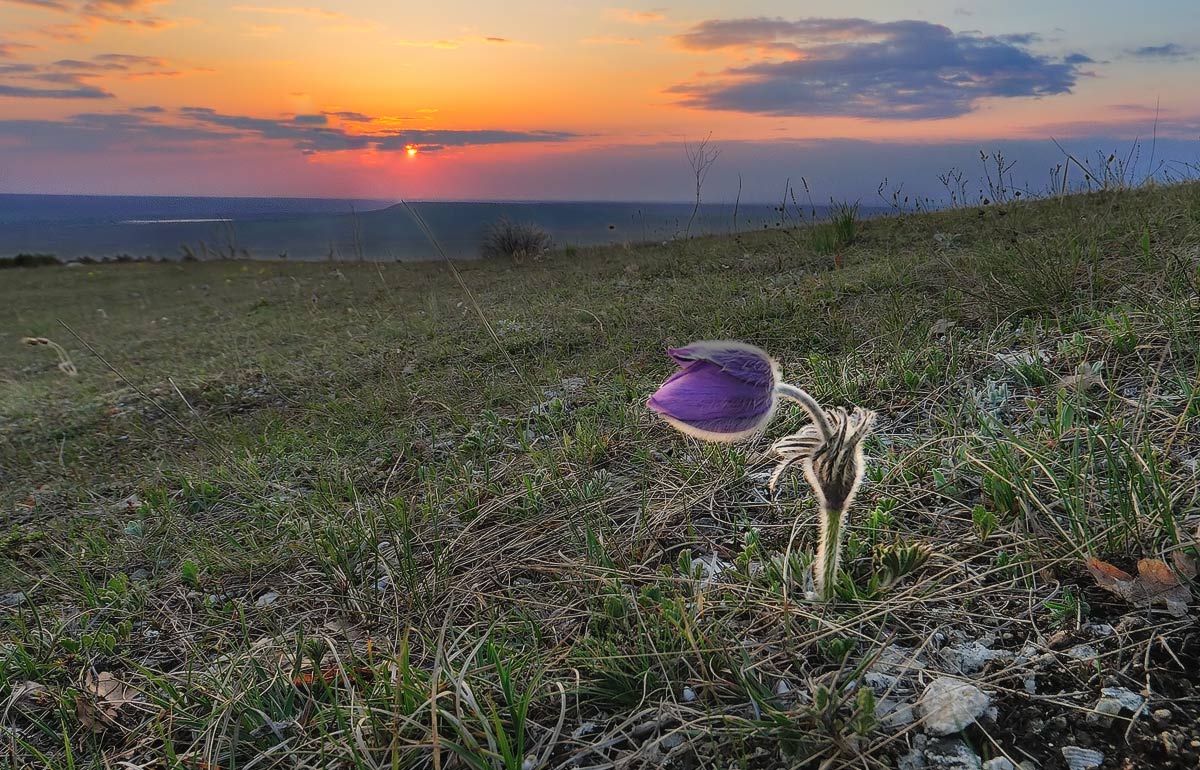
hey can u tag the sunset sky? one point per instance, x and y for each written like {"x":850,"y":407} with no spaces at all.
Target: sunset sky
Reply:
{"x":534,"y":99}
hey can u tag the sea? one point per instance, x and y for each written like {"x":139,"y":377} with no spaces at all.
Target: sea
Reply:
{"x":75,"y":227}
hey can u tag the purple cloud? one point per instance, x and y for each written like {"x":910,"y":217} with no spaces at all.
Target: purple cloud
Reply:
{"x":1170,"y":51}
{"x":861,"y":68}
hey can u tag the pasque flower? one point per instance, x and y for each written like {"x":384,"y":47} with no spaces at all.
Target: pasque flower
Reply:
{"x":833,"y":466}
{"x":728,"y":391}
{"x":723,"y":391}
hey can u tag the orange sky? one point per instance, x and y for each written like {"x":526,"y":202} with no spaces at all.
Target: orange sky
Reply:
{"x":263,"y":97}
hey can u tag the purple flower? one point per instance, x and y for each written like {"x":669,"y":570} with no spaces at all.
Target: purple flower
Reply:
{"x":723,"y":391}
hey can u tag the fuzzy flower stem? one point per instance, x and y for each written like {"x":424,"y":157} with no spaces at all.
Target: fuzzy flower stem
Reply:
{"x":829,"y":551}
{"x":810,"y":405}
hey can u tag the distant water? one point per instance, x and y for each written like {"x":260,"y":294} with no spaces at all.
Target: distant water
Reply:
{"x":73,"y":227}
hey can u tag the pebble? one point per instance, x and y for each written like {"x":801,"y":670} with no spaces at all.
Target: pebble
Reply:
{"x":1098,"y":630}
{"x":899,"y":661}
{"x":913,"y":760}
{"x":949,"y":705}
{"x":689,"y":695}
{"x":1114,"y":700}
{"x":671,"y":740}
{"x":971,"y":657}
{"x":879,"y":683}
{"x":999,"y":763}
{"x":1084,"y":652}
{"x":952,"y":754}
{"x":1162,"y":715}
{"x":267,"y":599}
{"x":894,"y":713}
{"x":1082,"y":759}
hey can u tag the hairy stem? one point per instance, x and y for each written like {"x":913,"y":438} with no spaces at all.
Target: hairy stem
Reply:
{"x":829,"y":551}
{"x":810,"y":405}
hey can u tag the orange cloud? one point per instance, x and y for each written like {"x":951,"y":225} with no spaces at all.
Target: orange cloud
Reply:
{"x":631,"y":16}
{"x":92,"y":14}
{"x":336,"y":18}
{"x":612,"y":41}
{"x":455,"y":42}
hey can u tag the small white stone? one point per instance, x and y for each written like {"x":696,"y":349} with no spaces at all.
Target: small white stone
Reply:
{"x":949,"y":705}
{"x":999,"y":763}
{"x":689,"y":695}
{"x":266,"y":599}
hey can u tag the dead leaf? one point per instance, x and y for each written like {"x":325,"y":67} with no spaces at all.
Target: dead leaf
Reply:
{"x":1155,"y":583}
{"x":30,"y":697}
{"x":941,"y":326}
{"x":1185,"y":563}
{"x":1082,"y":382}
{"x":99,"y":705}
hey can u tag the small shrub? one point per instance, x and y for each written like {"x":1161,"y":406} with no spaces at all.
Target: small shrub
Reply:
{"x":30,"y":260}
{"x":516,"y":241}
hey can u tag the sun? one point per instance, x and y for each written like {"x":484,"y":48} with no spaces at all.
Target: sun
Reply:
{"x":411,"y":149}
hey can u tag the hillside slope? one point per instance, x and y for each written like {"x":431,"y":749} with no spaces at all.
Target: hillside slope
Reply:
{"x":315,"y":515}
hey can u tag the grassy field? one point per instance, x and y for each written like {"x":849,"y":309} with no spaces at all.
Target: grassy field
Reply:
{"x":383,"y":516}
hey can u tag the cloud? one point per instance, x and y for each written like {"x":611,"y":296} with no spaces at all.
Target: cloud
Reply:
{"x":428,"y":43}
{"x":33,"y":92}
{"x":337,"y":19}
{"x":112,"y":62}
{"x":10,"y":50}
{"x":612,"y":41}
{"x":1169,"y":51}
{"x":91,"y":14}
{"x":353,"y":117}
{"x":52,"y":5}
{"x":134,"y":13}
{"x":310,"y":139}
{"x":23,"y":80}
{"x":436,"y":139}
{"x":860,"y":68}
{"x":630,"y":16}
{"x":455,"y":42}
{"x":27,"y":81}
{"x":309,"y":11}
{"x":102,"y":132}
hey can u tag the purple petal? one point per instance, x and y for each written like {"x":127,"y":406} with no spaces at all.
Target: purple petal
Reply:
{"x":745,"y":362}
{"x":708,"y":401}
